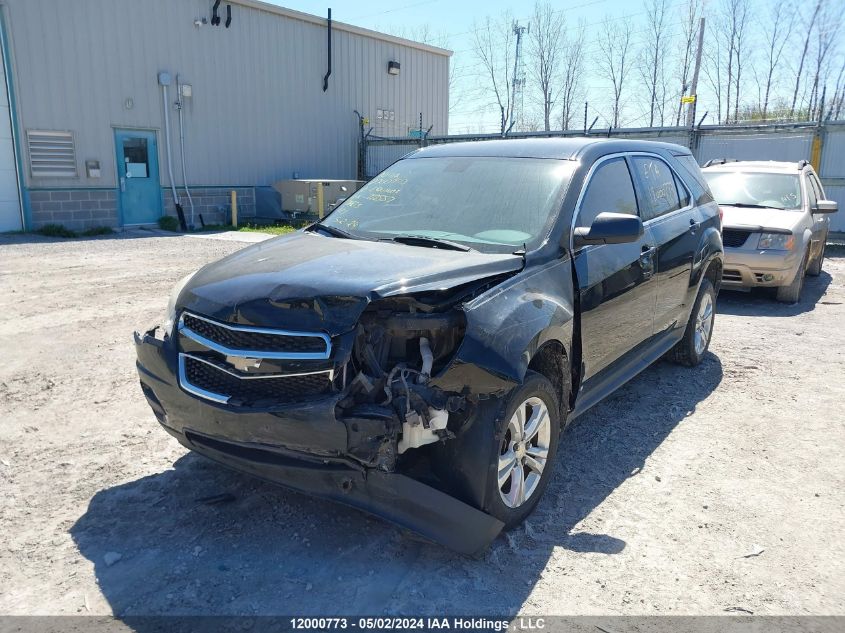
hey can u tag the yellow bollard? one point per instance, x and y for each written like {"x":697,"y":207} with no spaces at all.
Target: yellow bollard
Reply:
{"x":234,"y":208}
{"x":320,"y":202}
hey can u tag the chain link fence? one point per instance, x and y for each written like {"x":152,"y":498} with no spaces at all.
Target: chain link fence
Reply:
{"x":822,"y":144}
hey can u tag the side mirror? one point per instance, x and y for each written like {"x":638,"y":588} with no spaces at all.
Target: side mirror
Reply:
{"x":826,"y":206}
{"x":610,"y":228}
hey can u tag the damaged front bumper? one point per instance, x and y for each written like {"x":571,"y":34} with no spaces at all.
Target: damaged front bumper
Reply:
{"x":305,"y":447}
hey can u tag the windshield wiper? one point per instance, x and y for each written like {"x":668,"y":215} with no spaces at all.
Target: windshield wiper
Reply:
{"x":432,"y":242}
{"x":746,"y":205}
{"x":331,"y":230}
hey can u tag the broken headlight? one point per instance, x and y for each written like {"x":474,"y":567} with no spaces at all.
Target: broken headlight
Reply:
{"x":170,"y":317}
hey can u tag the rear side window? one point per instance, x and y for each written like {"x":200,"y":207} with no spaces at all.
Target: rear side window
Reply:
{"x":658,"y":187}
{"x":683,"y":194}
{"x":691,"y":172}
{"x":609,"y":189}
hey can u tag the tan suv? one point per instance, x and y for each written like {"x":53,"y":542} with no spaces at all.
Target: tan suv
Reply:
{"x":774,"y":226}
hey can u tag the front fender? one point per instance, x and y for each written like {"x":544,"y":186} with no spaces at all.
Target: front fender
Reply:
{"x":507,"y":324}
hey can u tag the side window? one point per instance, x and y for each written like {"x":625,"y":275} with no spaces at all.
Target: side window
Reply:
{"x":698,"y":185}
{"x":610,"y":189}
{"x":660,"y":192}
{"x":683,"y":194}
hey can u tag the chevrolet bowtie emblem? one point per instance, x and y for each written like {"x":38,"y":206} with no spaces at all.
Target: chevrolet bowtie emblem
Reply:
{"x":243,"y":364}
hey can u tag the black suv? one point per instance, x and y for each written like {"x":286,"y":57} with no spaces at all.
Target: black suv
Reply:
{"x":417,"y":353}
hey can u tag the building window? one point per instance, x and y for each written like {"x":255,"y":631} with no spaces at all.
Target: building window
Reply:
{"x":51,"y":154}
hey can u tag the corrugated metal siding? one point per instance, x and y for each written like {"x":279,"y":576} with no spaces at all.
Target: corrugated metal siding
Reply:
{"x":258,"y":113}
{"x":833,"y":155}
{"x":785,"y":146}
{"x":837,"y":220}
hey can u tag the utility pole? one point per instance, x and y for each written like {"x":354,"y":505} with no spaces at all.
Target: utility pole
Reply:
{"x":694,"y":86}
{"x":518,"y":76}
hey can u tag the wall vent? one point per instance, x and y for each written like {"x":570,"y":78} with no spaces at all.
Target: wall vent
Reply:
{"x":51,"y":154}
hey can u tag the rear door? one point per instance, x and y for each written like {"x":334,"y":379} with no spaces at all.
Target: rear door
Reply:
{"x":821,"y":221}
{"x":667,"y":210}
{"x":616,"y":284}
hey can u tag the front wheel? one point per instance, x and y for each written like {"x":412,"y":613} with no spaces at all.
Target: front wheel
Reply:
{"x":792,"y":292}
{"x":691,"y":349}
{"x":815,"y":268}
{"x":527,"y":438}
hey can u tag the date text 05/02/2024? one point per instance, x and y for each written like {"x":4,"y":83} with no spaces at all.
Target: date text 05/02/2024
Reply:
{"x":419,"y":624}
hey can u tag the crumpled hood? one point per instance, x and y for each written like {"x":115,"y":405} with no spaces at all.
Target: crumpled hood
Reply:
{"x":754,"y":219}
{"x":309,"y":282}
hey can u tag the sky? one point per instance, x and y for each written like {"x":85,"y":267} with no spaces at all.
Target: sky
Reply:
{"x":454,"y":21}
{"x":472,"y":108}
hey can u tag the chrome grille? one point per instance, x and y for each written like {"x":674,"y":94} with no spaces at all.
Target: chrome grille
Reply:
{"x":253,"y":339}
{"x":209,"y":380}
{"x":245,"y":366}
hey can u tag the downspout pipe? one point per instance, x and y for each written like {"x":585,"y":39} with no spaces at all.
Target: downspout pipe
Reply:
{"x":164,"y":80}
{"x":179,"y":105}
{"x":329,"y":70}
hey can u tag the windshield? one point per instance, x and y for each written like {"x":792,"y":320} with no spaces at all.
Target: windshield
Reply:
{"x":777,"y":191}
{"x":490,"y":204}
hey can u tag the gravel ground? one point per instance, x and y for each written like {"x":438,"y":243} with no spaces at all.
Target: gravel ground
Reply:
{"x":706,"y":491}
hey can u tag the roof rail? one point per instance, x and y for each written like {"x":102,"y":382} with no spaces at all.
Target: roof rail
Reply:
{"x":720,"y":161}
{"x":803,"y":163}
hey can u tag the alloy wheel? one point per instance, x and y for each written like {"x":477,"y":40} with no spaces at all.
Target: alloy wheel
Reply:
{"x":524,"y":452}
{"x":703,"y":323}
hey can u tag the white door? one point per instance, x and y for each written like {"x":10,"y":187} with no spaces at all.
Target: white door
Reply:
{"x":10,"y":206}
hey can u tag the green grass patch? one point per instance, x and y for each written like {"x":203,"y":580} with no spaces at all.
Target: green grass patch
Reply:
{"x":56,"y":230}
{"x":168,"y":223}
{"x":97,"y":230}
{"x":273,"y":229}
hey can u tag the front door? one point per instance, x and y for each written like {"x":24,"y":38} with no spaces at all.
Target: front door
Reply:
{"x":137,"y":174}
{"x":616,"y":282}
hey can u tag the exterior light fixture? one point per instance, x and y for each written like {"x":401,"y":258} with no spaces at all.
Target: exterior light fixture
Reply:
{"x":392,"y":68}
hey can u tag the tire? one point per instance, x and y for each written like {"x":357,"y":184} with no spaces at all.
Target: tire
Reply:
{"x":690,"y":350}
{"x":792,"y":292}
{"x":535,"y":396}
{"x":815,"y":267}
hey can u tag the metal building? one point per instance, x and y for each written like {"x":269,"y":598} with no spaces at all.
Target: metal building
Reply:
{"x":82,"y":115}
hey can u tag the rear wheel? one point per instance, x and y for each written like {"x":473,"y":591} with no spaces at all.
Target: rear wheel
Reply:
{"x":527,"y":438}
{"x":691,"y":349}
{"x":792,"y":292}
{"x":815,"y":267}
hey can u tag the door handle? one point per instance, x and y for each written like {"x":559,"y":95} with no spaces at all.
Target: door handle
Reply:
{"x":693,"y":226}
{"x":123,"y":184}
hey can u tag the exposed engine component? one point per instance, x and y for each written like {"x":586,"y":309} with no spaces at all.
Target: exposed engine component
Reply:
{"x":416,"y":433}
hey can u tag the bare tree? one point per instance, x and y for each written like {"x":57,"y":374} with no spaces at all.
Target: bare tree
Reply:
{"x":732,"y":25}
{"x":827,"y":38}
{"x":777,"y":32}
{"x":712,"y":68}
{"x":545,"y":44}
{"x":614,"y":61}
{"x":572,"y":73}
{"x":809,"y":30}
{"x":492,"y":40}
{"x":652,"y":65}
{"x":741,"y":12}
{"x":689,"y":39}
